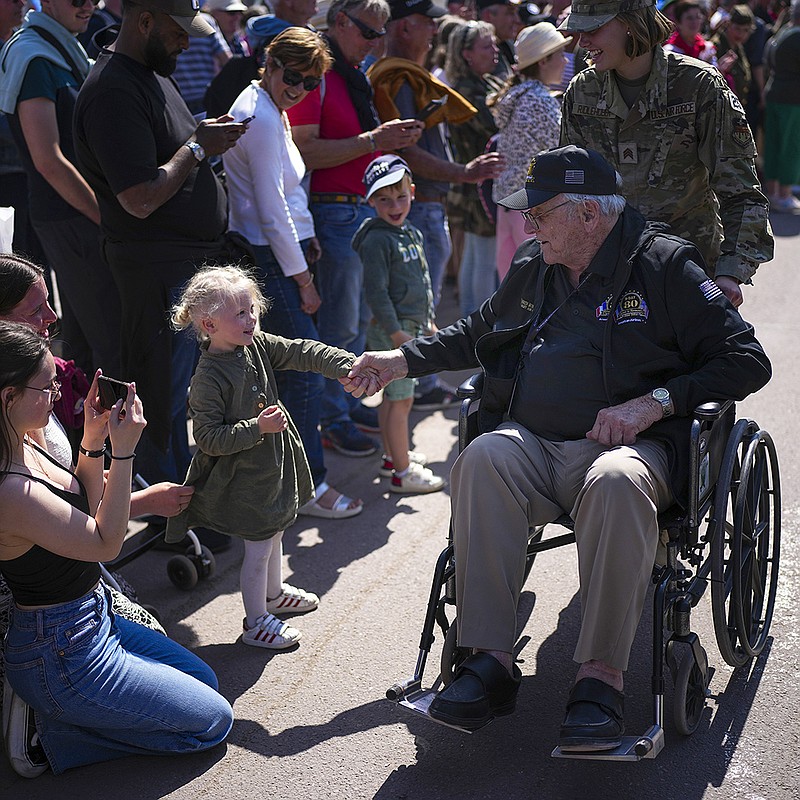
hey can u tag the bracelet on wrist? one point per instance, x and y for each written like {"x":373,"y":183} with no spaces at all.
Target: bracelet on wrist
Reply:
{"x":91,"y":453}
{"x":373,"y":146}
{"x":306,"y":284}
{"x":123,"y":458}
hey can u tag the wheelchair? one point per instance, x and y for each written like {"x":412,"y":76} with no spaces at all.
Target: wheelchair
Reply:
{"x":726,"y":536}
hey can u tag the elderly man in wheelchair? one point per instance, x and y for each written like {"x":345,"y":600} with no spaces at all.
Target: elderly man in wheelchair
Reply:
{"x":596,"y":348}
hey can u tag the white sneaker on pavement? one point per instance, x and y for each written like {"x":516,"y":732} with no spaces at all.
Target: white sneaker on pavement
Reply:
{"x":270,"y":632}
{"x":292,"y":600}
{"x":418,"y":480}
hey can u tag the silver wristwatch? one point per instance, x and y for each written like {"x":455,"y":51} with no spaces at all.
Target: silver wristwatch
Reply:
{"x":663,"y":397}
{"x":197,"y":149}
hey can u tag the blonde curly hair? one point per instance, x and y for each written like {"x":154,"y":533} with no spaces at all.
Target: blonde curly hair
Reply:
{"x":208,"y":291}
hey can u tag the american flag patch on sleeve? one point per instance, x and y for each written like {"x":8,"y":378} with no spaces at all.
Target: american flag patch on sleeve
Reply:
{"x":710,"y":289}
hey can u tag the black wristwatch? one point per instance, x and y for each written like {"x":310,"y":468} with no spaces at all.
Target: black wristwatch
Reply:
{"x":663,"y":397}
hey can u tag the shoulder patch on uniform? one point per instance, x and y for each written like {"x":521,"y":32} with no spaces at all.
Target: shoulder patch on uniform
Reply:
{"x":710,"y":290}
{"x":741,"y":133}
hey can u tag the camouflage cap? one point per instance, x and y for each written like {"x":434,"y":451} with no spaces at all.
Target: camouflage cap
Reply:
{"x":589,"y":15}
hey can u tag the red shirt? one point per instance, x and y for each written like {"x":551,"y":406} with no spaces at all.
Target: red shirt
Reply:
{"x":337,"y":119}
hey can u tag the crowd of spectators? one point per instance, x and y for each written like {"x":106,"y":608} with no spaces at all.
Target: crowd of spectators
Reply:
{"x":140,"y":141}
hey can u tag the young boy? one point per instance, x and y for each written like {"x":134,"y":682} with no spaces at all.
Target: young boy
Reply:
{"x":398,"y":289}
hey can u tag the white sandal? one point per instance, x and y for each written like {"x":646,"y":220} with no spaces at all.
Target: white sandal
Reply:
{"x":339,"y":510}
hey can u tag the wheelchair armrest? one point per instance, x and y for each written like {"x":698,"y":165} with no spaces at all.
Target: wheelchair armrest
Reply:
{"x":472,"y":388}
{"x":711,"y":411}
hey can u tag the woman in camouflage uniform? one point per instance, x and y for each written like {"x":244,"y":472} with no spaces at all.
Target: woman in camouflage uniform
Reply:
{"x":674,"y":131}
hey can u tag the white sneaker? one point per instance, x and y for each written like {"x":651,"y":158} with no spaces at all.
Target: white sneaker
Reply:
{"x":418,"y":480}
{"x":23,"y":748}
{"x":387,"y":467}
{"x":270,"y":632}
{"x":292,"y":600}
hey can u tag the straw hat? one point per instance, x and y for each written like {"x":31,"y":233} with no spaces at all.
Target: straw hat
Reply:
{"x":535,"y":43}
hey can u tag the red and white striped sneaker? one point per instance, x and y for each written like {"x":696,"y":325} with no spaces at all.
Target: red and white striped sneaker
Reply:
{"x":270,"y":632}
{"x":292,"y":600}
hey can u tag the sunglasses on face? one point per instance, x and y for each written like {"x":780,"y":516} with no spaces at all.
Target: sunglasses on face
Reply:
{"x":368,"y":33}
{"x":82,"y":3}
{"x":291,"y":77}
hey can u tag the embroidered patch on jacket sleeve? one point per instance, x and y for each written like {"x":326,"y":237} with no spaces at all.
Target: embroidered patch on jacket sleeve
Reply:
{"x":710,"y":290}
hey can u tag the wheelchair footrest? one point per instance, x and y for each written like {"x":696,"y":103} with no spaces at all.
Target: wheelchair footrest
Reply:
{"x":633,"y":748}
{"x":420,"y":701}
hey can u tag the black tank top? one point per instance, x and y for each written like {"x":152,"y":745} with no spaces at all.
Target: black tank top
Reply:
{"x":41,"y":578}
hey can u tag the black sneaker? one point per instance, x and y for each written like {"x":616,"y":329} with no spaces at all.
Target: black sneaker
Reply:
{"x":366,"y":418}
{"x":23,"y":747}
{"x":441,"y":396}
{"x":347,"y":439}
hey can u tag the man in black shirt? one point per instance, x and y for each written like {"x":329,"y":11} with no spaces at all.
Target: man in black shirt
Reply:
{"x":162,"y":210}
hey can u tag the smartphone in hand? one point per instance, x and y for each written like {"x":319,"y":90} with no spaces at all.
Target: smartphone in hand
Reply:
{"x":110,"y":390}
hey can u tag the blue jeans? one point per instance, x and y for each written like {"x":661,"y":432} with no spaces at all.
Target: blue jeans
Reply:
{"x":300,"y":392}
{"x":477,"y":278}
{"x":344,"y":315}
{"x":431,"y":220}
{"x":102,"y":686}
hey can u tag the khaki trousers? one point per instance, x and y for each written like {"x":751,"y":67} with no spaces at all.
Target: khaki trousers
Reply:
{"x":509,"y":481}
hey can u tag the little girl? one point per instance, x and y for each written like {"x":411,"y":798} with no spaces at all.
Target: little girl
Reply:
{"x":250,"y":472}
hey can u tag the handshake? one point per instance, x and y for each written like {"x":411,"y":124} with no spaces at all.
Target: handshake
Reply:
{"x":374,"y":370}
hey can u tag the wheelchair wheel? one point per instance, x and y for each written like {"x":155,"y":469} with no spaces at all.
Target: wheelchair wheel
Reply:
{"x":745,"y":544}
{"x":689,"y":699}
{"x":452,"y":655}
{"x":756,"y":543}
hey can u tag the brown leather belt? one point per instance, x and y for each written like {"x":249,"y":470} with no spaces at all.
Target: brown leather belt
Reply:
{"x":331,"y":197}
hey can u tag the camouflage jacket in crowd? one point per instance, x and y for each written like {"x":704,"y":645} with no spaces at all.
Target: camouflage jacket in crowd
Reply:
{"x":686,"y":156}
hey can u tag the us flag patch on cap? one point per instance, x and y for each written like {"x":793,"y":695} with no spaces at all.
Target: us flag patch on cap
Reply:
{"x":710,"y":290}
{"x":574,"y":176}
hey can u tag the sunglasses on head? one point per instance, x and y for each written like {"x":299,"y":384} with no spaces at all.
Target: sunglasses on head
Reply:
{"x":291,"y":77}
{"x":368,"y":33}
{"x":82,"y":3}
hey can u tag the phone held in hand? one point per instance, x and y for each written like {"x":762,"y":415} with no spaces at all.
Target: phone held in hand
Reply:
{"x":111,"y":390}
{"x":425,"y":112}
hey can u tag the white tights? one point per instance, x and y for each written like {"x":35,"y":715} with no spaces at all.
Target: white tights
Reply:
{"x":260,"y":576}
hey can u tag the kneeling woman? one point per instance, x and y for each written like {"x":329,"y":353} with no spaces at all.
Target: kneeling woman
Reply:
{"x":99,"y":686}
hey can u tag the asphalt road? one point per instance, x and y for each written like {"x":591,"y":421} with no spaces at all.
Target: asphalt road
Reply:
{"x":313,"y":723}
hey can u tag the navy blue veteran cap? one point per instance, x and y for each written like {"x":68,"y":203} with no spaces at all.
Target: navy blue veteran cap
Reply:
{"x":185,"y":12}
{"x":589,"y":15}
{"x":384,"y":171}
{"x":569,"y":169}
{"x":405,"y":8}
